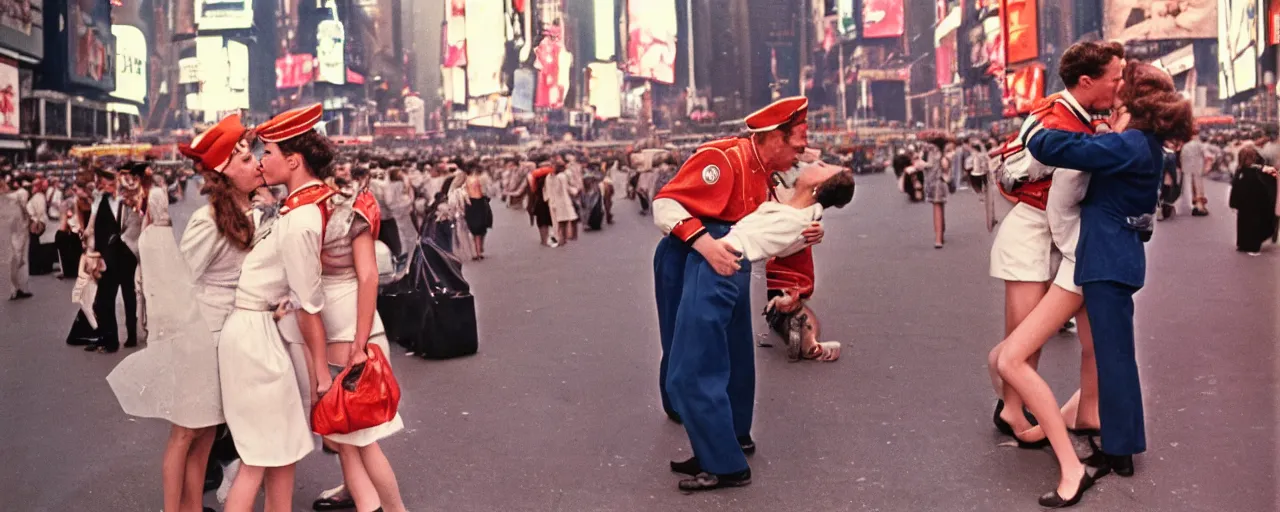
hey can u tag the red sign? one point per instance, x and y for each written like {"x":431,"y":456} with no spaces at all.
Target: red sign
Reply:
{"x":294,"y":71}
{"x":1022,"y":38}
{"x":944,"y":60}
{"x":1022,"y":89}
{"x":882,"y":18}
{"x":1273,"y":22}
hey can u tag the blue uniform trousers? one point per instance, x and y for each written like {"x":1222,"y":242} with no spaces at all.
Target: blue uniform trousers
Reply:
{"x":668,"y":283}
{"x":1119,"y":390}
{"x":710,"y":377}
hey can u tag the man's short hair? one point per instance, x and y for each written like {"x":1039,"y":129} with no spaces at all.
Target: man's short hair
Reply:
{"x":1089,"y":58}
{"x":836,"y":191}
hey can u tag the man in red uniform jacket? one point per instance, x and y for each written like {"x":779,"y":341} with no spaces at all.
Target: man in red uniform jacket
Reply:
{"x":707,"y":373}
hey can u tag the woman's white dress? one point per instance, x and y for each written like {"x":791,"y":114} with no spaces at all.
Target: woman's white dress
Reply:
{"x":175,"y":377}
{"x":261,"y":394}
{"x":559,"y":194}
{"x":338,"y":277}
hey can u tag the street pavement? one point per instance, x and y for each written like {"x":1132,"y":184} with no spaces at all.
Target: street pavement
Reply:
{"x":559,"y":411}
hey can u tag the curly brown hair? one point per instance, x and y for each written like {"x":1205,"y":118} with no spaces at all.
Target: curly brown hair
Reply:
{"x":317,"y":151}
{"x":1154,"y":105}
{"x":1088,"y":58}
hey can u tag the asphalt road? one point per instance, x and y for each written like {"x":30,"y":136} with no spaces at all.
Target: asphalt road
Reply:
{"x":559,"y":411}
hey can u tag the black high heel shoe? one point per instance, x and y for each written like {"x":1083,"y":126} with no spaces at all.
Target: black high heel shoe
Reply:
{"x":1003,"y":426}
{"x":1053,"y":500}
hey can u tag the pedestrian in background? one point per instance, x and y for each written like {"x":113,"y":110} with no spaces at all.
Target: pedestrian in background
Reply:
{"x":1253,"y":197}
{"x":937,"y":175}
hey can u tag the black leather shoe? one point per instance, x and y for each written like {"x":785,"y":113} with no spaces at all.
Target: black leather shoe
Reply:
{"x":1121,"y":464}
{"x":131,"y":343}
{"x":689,"y":467}
{"x":1032,"y":445}
{"x":708,"y":481}
{"x":748,"y":445}
{"x":1053,"y":500}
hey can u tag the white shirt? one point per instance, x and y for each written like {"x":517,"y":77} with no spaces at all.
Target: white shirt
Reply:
{"x":774,"y":229}
{"x":114,"y":201}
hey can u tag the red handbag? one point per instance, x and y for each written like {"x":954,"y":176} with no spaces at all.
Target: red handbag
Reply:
{"x":362,"y":396}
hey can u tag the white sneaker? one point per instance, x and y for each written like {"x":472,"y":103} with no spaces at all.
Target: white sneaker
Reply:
{"x":228,"y":476}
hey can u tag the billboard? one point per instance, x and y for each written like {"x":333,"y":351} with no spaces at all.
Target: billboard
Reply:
{"x":91,"y":49}
{"x":331,"y":44}
{"x":224,"y":14}
{"x":454,"y":46}
{"x":1022,"y":89}
{"x":1022,"y":38}
{"x":651,"y":39}
{"x":847,"y":24}
{"x":882,"y":18}
{"x":131,"y":63}
{"x":604,"y":89}
{"x":293,"y":71}
{"x":522,"y":92}
{"x":21,"y":26}
{"x":486,"y":46}
{"x":1237,"y":47}
{"x":10,"y":97}
{"x":1273,"y":22}
{"x":1126,"y":20}
{"x":605,"y":19}
{"x":493,"y":111}
{"x":552,"y":66}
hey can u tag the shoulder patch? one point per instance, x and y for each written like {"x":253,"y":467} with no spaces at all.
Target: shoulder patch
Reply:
{"x":711,"y":174}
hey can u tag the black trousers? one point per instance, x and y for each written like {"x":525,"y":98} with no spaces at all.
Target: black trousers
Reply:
{"x":40,"y":257}
{"x":116,"y":279}
{"x":68,"y":247}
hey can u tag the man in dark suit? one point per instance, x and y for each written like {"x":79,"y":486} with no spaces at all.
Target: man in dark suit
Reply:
{"x":113,"y":233}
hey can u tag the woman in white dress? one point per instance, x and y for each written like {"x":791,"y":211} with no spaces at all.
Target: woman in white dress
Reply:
{"x":559,"y":193}
{"x":176,"y":377}
{"x":261,"y":394}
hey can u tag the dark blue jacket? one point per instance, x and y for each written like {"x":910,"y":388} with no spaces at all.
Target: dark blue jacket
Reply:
{"x":1125,"y":171}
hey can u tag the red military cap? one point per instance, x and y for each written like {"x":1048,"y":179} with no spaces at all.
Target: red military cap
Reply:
{"x":214,"y":147}
{"x":791,"y":110}
{"x":290,"y":124}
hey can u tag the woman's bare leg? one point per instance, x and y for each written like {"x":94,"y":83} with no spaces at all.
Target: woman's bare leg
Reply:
{"x":383,"y":477}
{"x":1020,"y":298}
{"x":174,"y":465}
{"x":357,"y":479}
{"x":279,"y":483}
{"x":197,"y":462}
{"x":244,"y":491}
{"x":937,"y":223}
{"x":544,"y":232}
{"x":1044,"y":321}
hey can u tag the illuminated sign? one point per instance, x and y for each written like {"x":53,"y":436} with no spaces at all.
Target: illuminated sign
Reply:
{"x":224,"y":14}
{"x":131,"y":63}
{"x":330,"y":52}
{"x":882,"y":18}
{"x":1022,"y":38}
{"x":605,"y":20}
{"x":1237,"y":47}
{"x":293,"y":71}
{"x":651,"y":39}
{"x":1126,"y":20}
{"x":486,"y":46}
{"x":91,"y":53}
{"x":604,"y":90}
{"x":10,"y":96}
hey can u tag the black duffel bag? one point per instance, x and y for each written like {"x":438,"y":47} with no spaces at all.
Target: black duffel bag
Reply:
{"x":430,"y":311}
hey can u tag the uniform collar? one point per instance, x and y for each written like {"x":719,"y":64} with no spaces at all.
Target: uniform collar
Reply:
{"x":310,"y":193}
{"x":756,"y":153}
{"x":1075,"y":105}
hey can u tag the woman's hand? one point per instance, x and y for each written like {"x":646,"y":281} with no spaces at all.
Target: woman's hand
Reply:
{"x":358,"y":354}
{"x":784,"y":303}
{"x":1271,"y":170}
{"x":813,"y":234}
